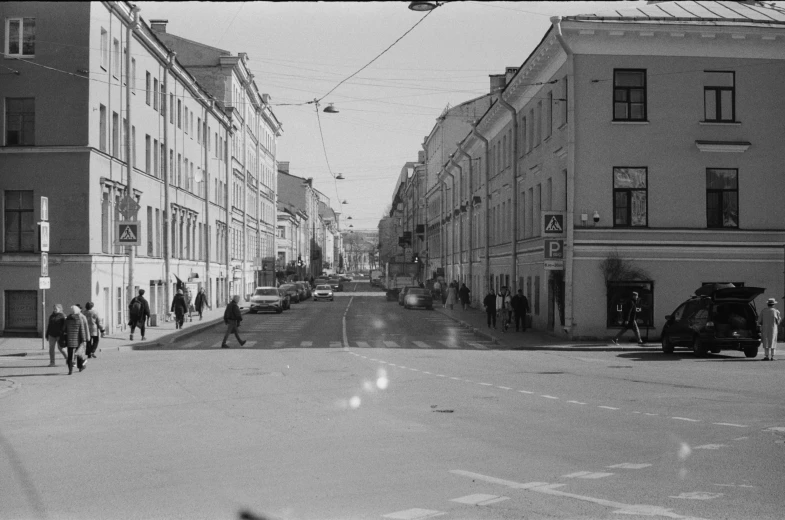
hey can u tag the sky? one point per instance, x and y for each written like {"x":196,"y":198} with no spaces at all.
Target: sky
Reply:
{"x":300,"y":51}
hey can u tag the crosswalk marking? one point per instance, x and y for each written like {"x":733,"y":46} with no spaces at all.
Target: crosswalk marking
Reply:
{"x":415,"y":513}
{"x":391,"y":344}
{"x":449,"y":344}
{"x":477,"y":345}
{"x":363,"y":344}
{"x":191,"y":344}
{"x":587,"y":474}
{"x":249,"y":344}
{"x":216,"y":345}
{"x":479,"y":499}
{"x":335,"y":344}
{"x":421,"y":344}
{"x":630,"y":465}
{"x":306,"y":343}
{"x":278,"y":344}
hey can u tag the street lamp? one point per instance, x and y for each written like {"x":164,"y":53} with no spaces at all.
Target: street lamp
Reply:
{"x":424,"y":6}
{"x":339,"y":177}
{"x":330,"y":109}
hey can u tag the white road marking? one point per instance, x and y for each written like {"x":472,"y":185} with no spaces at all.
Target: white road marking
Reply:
{"x":449,"y":344}
{"x":421,"y":344}
{"x":608,"y":407}
{"x":306,"y":343}
{"x":477,"y":345}
{"x":775,"y":429}
{"x":391,"y":344}
{"x":698,"y":495}
{"x":440,"y":375}
{"x":425,"y":372}
{"x":575,"y":402}
{"x":494,"y":480}
{"x":414,"y":514}
{"x":647,"y":413}
{"x":741,"y":438}
{"x":731,"y":424}
{"x":549,"y":396}
{"x":587,"y":474}
{"x":479,"y":499}
{"x":630,"y":465}
{"x":335,"y":344}
{"x":278,"y":344}
{"x":504,"y":387}
{"x":525,"y":392}
{"x":249,"y":344}
{"x":363,"y":344}
{"x":685,"y":419}
{"x":456,"y":378}
{"x":485,"y":384}
{"x":191,"y":344}
{"x":710,"y":446}
{"x":216,"y":345}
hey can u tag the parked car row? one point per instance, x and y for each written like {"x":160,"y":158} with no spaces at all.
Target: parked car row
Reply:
{"x":279,"y":299}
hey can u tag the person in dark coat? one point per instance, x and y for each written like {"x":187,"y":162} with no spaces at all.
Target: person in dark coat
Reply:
{"x":489,"y":303}
{"x":232,"y":318}
{"x":630,"y":311}
{"x":464,"y":294}
{"x":138,"y":311}
{"x":76,"y":335}
{"x":201,"y":302}
{"x":179,"y":308}
{"x":54,"y":333}
{"x":520,"y":306}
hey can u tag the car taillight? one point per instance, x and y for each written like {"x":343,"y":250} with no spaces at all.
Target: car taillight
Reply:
{"x":709,"y":324}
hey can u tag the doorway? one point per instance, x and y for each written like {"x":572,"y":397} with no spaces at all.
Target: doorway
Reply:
{"x":555,"y":299}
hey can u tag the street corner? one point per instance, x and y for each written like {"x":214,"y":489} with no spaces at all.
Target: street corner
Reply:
{"x":7,"y":386}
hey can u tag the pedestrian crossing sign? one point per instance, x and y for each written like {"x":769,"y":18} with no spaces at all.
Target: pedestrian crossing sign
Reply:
{"x":553,"y":223}
{"x":127,"y":233}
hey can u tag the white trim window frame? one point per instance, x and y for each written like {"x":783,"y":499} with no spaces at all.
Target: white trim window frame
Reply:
{"x":24,"y":41}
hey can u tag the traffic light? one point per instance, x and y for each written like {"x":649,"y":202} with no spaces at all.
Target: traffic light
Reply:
{"x":299,"y":261}
{"x":416,"y":258}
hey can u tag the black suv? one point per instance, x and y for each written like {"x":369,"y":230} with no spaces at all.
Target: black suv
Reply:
{"x":719,"y":317}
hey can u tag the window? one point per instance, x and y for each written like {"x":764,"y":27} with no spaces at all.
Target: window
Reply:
{"x":133,"y":76}
{"x":133,"y":146}
{"x":147,"y":154}
{"x":20,"y":227}
{"x":155,"y":93}
{"x":115,"y":134}
{"x":20,"y":37}
{"x":719,"y":96}
{"x":155,"y":158}
{"x":104,"y":49}
{"x":179,"y":114}
{"x":185,"y":110}
{"x":199,"y":130}
{"x":19,"y":121}
{"x":549,"y":115}
{"x":722,"y":198}
{"x":102,"y":128}
{"x":116,"y":58}
{"x":150,"y":235}
{"x":538,"y":124}
{"x":163,"y":100}
{"x":147,"y":82}
{"x":123,"y":136}
{"x":630,"y":195}
{"x":563,"y":102}
{"x":171,"y":108}
{"x":629,"y":95}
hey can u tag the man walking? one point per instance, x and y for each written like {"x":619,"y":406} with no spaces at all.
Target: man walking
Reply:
{"x":138,"y":311}
{"x":201,"y":302}
{"x":504,"y":305}
{"x":464,"y":294}
{"x":630,"y":312}
{"x":179,"y":308}
{"x":489,"y":303}
{"x":769,"y":321}
{"x":232,"y":318}
{"x":520,"y":306}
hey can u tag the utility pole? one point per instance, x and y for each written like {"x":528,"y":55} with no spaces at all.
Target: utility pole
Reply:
{"x":128,"y":159}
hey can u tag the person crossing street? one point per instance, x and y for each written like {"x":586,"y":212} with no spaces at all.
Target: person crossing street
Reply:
{"x":232,"y":318}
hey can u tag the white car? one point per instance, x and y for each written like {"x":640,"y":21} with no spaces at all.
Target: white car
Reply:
{"x":323,"y":292}
{"x":267,"y":299}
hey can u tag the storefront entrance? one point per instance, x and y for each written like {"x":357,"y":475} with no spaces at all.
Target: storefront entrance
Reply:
{"x":21,"y":312}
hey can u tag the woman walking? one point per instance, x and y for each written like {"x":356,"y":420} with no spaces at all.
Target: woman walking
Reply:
{"x":452,"y":295}
{"x":76,"y":335}
{"x":179,"y":308}
{"x":54,"y":333}
{"x":95,"y":325}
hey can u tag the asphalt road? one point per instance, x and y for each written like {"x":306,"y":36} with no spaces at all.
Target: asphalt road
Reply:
{"x":359,"y":409}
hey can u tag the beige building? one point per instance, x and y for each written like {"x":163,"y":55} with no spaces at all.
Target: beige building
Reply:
{"x":649,"y":139}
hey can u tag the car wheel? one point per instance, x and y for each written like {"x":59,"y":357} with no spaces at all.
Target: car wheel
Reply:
{"x":278,"y":311}
{"x":715,"y":350}
{"x":751,"y":352}
{"x":667,"y":344}
{"x":251,"y":312}
{"x":698,"y":347}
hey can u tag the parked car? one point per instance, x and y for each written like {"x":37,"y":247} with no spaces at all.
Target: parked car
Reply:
{"x":323,"y":292}
{"x":320,"y":281}
{"x":266,"y":299}
{"x":287,"y":301}
{"x":719,"y":317}
{"x":403,"y":292}
{"x":417,"y":297}
{"x":304,"y":289}
{"x":345,"y":277}
{"x":336,"y":284}
{"x":292,"y":291}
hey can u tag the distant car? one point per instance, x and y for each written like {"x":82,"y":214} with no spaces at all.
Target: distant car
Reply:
{"x":403,"y":292}
{"x":323,"y":292}
{"x":292,"y":291}
{"x":320,"y":281}
{"x":345,"y":278}
{"x":336,"y":284}
{"x":305,"y":290}
{"x":417,"y":297}
{"x":266,"y":299}
{"x":719,"y":317}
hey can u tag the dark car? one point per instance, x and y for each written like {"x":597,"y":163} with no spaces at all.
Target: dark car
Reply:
{"x":336,"y":284}
{"x":292,"y":291}
{"x":304,"y":289}
{"x":403,"y":292}
{"x":719,"y":317}
{"x":417,"y":297}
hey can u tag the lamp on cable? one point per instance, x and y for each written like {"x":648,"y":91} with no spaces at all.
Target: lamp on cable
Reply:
{"x":423,"y":6}
{"x":344,"y":202}
{"x":339,"y":177}
{"x":330,"y":109}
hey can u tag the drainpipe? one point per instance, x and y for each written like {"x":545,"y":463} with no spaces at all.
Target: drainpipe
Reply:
{"x":479,"y":136}
{"x":206,"y":230}
{"x":442,"y":234}
{"x":227,"y":211}
{"x":452,"y":219}
{"x":167,"y":208}
{"x":569,"y":252}
{"x":460,"y":200}
{"x":514,"y":184}
{"x":471,"y":209}
{"x":133,"y":26}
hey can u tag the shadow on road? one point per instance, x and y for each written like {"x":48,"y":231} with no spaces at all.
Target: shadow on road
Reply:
{"x":679,"y":356}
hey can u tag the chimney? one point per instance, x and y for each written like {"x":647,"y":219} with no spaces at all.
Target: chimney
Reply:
{"x":421,"y":156}
{"x":283,"y":166}
{"x":498,"y":82}
{"x":158,"y":25}
{"x":266,"y":99}
{"x":509,"y":73}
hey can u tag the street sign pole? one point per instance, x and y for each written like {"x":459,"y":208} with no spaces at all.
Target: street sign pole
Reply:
{"x":44,"y":246}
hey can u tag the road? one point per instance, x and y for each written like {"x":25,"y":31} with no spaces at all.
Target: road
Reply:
{"x":358,"y":408}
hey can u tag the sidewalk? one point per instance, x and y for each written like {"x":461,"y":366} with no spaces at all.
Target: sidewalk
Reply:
{"x":163,"y":334}
{"x":475,"y":319}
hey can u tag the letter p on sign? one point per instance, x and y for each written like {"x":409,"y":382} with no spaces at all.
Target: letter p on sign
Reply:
{"x":554,"y":248}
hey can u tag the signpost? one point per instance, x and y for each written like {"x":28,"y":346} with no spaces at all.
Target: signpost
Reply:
{"x":553,"y":230}
{"x":44,"y":282}
{"x":127,"y":233}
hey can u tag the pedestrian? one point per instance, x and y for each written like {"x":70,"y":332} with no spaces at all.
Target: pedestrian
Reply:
{"x":201,"y":302}
{"x":504,"y":306}
{"x":520,"y":306}
{"x":630,"y":310}
{"x":54,"y":333}
{"x":95,"y":325}
{"x":189,"y":303}
{"x":76,"y":334}
{"x":464,"y":294}
{"x":179,"y":308}
{"x":489,"y":304}
{"x":436,"y":292}
{"x":232,"y":318}
{"x":138,"y":311}
{"x":452,"y":295}
{"x":769,"y":320}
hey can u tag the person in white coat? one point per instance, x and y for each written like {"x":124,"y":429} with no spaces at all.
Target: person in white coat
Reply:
{"x":769,"y":320}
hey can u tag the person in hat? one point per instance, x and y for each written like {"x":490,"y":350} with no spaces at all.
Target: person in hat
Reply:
{"x":232,"y":318}
{"x":769,"y":320}
{"x":630,"y":312}
{"x":179,"y":308}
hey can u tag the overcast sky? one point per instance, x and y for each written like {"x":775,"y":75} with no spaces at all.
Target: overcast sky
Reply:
{"x":299,"y":51}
